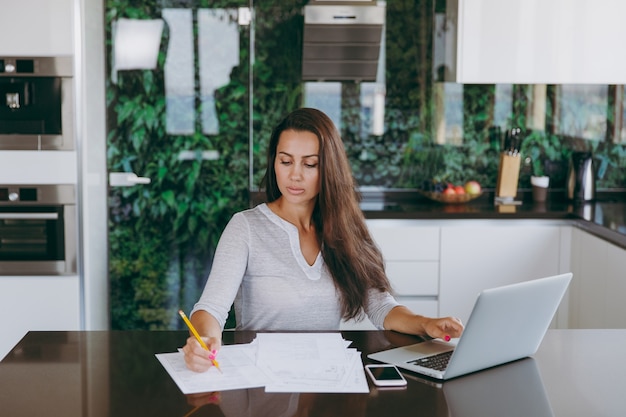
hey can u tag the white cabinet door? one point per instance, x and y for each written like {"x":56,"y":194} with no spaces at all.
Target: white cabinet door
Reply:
{"x":37,"y":303}
{"x":481,"y":255}
{"x":414,"y":278}
{"x":411,"y":253}
{"x":405,"y":240}
{"x":589,"y":265}
{"x":423,"y":306}
{"x":536,"y":41}
{"x":37,"y":28}
{"x":616,"y":287}
{"x":599,"y":284}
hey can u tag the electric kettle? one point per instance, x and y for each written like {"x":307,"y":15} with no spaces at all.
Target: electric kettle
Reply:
{"x":581,"y":177}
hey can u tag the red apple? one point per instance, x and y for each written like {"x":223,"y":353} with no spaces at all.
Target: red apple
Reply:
{"x":449,"y":190}
{"x":459,"y":189}
{"x":472,"y":187}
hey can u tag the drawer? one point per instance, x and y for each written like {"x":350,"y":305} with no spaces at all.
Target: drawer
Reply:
{"x":405,"y":242}
{"x":428,"y":307}
{"x":414,"y":277}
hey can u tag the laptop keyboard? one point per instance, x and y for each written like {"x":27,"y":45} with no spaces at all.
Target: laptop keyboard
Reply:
{"x":438,"y":362}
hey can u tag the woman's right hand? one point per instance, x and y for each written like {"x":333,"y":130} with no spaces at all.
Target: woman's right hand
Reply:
{"x":197,"y":358}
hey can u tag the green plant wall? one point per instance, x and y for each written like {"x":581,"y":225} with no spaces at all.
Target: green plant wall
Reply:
{"x":162,"y":235}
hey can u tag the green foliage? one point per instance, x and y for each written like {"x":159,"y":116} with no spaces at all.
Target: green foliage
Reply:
{"x":138,"y":290}
{"x":163,"y":234}
{"x":610,"y":160}
{"x":543,"y":148}
{"x":448,"y":163}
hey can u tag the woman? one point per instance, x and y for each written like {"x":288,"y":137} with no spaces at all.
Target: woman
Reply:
{"x":305,"y":259}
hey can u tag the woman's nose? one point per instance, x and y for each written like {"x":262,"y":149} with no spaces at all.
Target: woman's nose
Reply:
{"x":296,"y":172}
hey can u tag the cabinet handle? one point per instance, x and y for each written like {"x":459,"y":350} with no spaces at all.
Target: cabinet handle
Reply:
{"x":29,"y":216}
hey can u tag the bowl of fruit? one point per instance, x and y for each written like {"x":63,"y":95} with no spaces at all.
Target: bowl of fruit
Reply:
{"x":449,"y":193}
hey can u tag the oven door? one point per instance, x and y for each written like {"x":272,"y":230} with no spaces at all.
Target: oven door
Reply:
{"x":33,"y":241}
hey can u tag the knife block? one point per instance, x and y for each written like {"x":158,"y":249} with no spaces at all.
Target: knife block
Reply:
{"x":508,"y":176}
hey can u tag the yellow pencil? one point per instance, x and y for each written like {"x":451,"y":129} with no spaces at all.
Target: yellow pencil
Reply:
{"x":195,"y":333}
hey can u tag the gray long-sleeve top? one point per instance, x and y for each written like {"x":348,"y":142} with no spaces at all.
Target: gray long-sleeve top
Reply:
{"x":258,"y":264}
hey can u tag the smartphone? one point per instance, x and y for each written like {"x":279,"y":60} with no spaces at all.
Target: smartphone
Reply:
{"x":385,"y":375}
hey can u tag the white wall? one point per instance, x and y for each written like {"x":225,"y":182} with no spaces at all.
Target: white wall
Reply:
{"x":90,"y":55}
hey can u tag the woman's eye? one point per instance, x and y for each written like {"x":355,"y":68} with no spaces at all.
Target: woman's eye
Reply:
{"x":285,"y":162}
{"x":310,"y":165}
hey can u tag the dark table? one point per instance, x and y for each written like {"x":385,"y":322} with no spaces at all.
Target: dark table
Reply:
{"x":115,"y":373}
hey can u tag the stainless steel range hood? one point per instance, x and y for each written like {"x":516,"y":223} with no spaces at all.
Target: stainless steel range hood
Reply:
{"x":342,"y":40}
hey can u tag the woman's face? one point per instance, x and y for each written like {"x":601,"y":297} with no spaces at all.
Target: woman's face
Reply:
{"x":297,"y":166}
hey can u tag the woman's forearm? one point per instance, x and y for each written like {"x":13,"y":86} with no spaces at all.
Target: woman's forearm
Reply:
{"x":403,"y":320}
{"x":206,"y":325}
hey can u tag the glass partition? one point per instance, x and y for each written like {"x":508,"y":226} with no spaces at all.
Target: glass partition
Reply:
{"x":178,"y":119}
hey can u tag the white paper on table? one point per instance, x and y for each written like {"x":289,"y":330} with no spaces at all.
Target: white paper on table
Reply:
{"x":310,"y":362}
{"x":276,"y":347}
{"x":348,"y":378}
{"x":236,"y":362}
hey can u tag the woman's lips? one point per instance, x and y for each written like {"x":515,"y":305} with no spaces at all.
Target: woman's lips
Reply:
{"x":294,"y":190}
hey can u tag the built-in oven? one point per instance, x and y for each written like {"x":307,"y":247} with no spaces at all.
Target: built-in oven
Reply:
{"x":38,"y":234}
{"x":36,"y":103}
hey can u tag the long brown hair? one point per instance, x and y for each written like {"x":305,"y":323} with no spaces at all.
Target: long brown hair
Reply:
{"x":349,"y":252}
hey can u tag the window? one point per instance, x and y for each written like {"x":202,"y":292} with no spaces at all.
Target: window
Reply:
{"x":581,"y":111}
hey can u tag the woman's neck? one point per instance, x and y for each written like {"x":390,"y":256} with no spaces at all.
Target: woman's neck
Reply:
{"x":300,"y":215}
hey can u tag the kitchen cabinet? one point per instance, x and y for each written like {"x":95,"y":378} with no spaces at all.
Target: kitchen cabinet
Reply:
{"x":476,"y":255}
{"x":411,"y":252}
{"x":532,"y":41}
{"x":37,"y":28}
{"x":37,"y":303}
{"x":38,"y":167}
{"x":598,"y":289}
{"x":438,"y":268}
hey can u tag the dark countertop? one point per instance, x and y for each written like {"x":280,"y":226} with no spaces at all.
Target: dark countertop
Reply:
{"x":604,"y":217}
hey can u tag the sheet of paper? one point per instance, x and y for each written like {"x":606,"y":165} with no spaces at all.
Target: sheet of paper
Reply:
{"x":348,"y":378}
{"x":236,"y":362}
{"x":310,"y":362}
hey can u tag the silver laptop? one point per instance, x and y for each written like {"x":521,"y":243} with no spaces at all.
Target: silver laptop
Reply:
{"x":507,"y":323}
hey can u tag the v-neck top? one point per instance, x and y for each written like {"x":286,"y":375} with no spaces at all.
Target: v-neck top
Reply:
{"x":312,"y":271}
{"x":259,"y":266}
